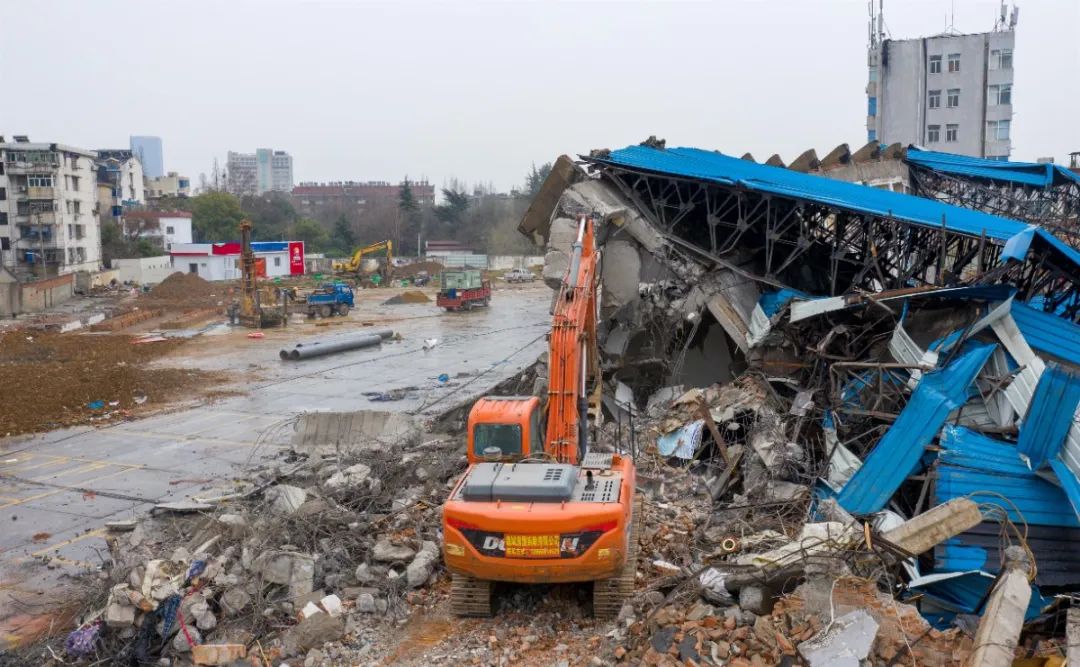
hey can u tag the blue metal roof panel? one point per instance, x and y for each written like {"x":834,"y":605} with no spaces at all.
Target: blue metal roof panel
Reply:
{"x":1051,"y":414}
{"x":713,"y":166}
{"x":971,"y":449}
{"x":269,"y":246}
{"x":898,"y":452}
{"x":1056,"y":549}
{"x":1029,"y":499}
{"x":727,"y":170}
{"x":1069,"y":484}
{"x":967,"y":592}
{"x":1048,"y":333}
{"x":1023,"y":173}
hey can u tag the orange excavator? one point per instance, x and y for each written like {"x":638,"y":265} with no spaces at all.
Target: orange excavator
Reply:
{"x":535,"y":505}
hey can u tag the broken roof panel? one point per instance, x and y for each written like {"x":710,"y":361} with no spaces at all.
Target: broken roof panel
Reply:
{"x":979,"y":548}
{"x":974,"y":463}
{"x":1021,"y":173}
{"x":1048,"y":333}
{"x":1050,"y":416}
{"x":898,"y":452}
{"x":731,"y":171}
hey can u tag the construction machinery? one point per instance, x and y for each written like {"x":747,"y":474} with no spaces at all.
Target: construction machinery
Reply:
{"x":355,"y":264}
{"x":535,"y":505}
{"x":463,"y":290}
{"x":257,"y":308}
{"x":323,"y":301}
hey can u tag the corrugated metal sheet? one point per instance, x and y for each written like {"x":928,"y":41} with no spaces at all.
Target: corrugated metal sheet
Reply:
{"x":1050,"y":416}
{"x":972,"y":463}
{"x":1055,"y":550}
{"x":1069,"y":484}
{"x":726,"y":170}
{"x":951,"y":593}
{"x":1022,"y":173}
{"x":897,"y":454}
{"x":1048,"y":333}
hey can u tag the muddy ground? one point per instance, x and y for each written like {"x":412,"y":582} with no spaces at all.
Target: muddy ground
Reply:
{"x":52,"y":380}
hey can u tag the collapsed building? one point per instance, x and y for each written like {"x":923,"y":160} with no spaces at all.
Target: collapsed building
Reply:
{"x":921,"y":351}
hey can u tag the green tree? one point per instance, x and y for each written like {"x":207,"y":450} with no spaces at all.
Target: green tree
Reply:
{"x":452,"y":211}
{"x":408,"y":219}
{"x":314,"y":235}
{"x":342,"y":238}
{"x":536,"y":177}
{"x":172,"y":203}
{"x":216,"y":216}
{"x":272,"y":215}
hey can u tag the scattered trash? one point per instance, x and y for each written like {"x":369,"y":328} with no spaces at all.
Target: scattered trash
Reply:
{"x":430,"y":343}
{"x":256,"y":334}
{"x":96,"y":405}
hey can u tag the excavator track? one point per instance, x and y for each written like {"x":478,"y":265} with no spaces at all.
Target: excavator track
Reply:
{"x":469,"y":596}
{"x":610,"y":594}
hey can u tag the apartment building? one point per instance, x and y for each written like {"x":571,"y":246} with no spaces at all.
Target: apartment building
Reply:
{"x":169,"y":185}
{"x":265,"y":170}
{"x":48,"y":223}
{"x":950,"y":92}
{"x":327,"y":201}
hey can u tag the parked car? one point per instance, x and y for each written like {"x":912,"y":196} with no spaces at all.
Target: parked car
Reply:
{"x":519,"y":276}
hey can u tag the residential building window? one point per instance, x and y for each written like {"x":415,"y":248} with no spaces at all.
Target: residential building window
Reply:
{"x":1001,"y":59}
{"x":954,"y":62}
{"x":934,"y":99}
{"x":5,"y":243}
{"x":277,"y":261}
{"x":873,"y":74}
{"x":3,"y":194}
{"x":39,"y":180}
{"x":871,"y":107}
{"x":74,"y":182}
{"x":933,"y":134}
{"x":76,"y":207}
{"x":951,"y":130}
{"x":1000,"y":94}
{"x":998,"y":130}
{"x":954,"y":98}
{"x":68,"y":205}
{"x":71,"y":231}
{"x":871,"y":135}
{"x":935,"y":64}
{"x":3,"y":218}
{"x":169,"y":230}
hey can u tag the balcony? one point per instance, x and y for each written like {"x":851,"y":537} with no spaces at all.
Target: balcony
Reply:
{"x":35,"y":167}
{"x":41,"y":192}
{"x":34,"y":218}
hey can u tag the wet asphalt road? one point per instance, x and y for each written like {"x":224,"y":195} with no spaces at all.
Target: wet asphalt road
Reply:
{"x":57,"y":490}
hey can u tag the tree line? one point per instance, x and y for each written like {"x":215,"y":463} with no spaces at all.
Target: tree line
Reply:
{"x":479,"y":218}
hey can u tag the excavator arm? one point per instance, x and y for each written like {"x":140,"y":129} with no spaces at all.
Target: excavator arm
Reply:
{"x":353,"y":264}
{"x":572,"y":355}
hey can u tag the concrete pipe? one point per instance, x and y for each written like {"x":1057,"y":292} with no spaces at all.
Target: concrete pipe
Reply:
{"x":333,"y":346}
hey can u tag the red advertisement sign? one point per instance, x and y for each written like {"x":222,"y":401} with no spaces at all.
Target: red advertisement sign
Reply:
{"x":296,"y":258}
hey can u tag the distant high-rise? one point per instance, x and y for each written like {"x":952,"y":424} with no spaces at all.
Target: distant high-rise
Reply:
{"x":264,"y":170}
{"x":148,"y":150}
{"x":950,"y":92}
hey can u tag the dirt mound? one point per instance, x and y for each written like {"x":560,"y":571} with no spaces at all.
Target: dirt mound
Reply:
{"x":50,"y":380}
{"x":182,"y":286}
{"x":410,"y":270}
{"x":407,"y":297}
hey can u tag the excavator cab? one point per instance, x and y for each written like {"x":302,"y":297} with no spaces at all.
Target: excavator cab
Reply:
{"x":505,"y":429}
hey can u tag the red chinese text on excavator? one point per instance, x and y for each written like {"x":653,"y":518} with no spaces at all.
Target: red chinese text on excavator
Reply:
{"x":535,"y":506}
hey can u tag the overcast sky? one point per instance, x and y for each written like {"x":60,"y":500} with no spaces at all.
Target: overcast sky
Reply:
{"x":479,"y":91}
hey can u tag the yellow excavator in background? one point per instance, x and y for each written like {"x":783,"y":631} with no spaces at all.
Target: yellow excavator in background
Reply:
{"x":353,"y":265}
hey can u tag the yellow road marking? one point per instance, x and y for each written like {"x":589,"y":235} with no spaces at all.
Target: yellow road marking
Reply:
{"x":59,"y":460}
{"x":89,"y":467}
{"x":59,"y":545}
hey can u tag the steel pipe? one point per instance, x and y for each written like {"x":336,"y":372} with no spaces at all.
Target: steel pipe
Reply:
{"x":320,"y":348}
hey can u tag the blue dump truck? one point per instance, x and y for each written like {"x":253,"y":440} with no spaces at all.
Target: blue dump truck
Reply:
{"x":328,"y":299}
